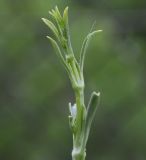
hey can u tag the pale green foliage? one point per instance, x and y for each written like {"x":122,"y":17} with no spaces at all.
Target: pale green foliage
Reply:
{"x":80,"y":118}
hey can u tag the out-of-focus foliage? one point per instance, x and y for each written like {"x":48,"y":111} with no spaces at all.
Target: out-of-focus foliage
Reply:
{"x":34,"y":89}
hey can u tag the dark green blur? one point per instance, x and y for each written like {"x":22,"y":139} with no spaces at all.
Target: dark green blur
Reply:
{"x":35,"y":90}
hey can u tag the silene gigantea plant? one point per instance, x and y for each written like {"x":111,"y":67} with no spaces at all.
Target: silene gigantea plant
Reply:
{"x":80,"y":118}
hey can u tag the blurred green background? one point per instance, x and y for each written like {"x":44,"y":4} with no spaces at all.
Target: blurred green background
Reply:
{"x":35,"y":90}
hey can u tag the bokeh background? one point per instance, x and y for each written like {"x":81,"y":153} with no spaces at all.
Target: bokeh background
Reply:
{"x":35,"y":90}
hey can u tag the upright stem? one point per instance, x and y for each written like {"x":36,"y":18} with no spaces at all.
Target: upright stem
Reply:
{"x":79,"y":151}
{"x":80,"y":117}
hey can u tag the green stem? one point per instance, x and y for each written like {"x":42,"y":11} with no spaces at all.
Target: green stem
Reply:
{"x":78,"y":152}
{"x":77,"y":155}
{"x":80,"y":118}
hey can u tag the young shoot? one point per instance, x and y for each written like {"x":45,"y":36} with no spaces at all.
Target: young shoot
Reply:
{"x":81,"y":117}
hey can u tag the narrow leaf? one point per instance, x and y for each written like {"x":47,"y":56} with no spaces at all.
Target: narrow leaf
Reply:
{"x":65,"y":15}
{"x":58,"y":13}
{"x":53,"y":15}
{"x":58,"y":51}
{"x":51,"y":26}
{"x":58,"y":21}
{"x":85,"y":46}
{"x":66,"y":28}
{"x":91,"y":110}
{"x":93,"y":25}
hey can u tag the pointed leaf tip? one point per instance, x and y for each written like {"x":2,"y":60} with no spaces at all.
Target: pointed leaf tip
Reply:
{"x":85,"y":46}
{"x":58,"y":12}
{"x":43,"y":19}
{"x":66,"y":9}
{"x":91,"y":110}
{"x":58,"y":51}
{"x":100,"y":30}
{"x":93,"y":33}
{"x":96,"y":93}
{"x":51,"y":26}
{"x":65,"y":14}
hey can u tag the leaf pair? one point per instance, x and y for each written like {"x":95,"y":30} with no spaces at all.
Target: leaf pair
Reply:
{"x":61,"y":32}
{"x":60,"y":28}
